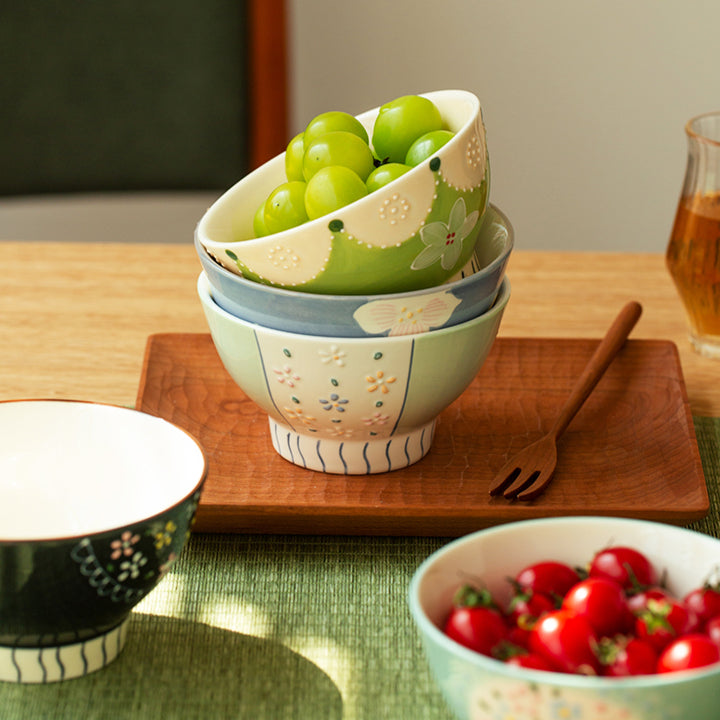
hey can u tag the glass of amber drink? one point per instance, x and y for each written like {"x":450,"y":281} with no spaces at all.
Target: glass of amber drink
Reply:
{"x":693,"y":254}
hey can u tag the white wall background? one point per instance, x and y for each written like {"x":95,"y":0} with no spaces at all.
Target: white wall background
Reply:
{"x":584,"y":101}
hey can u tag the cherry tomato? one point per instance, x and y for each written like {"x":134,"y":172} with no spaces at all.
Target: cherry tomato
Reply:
{"x":690,"y":651}
{"x":566,"y":641}
{"x":664,"y":620}
{"x":625,"y":565}
{"x":712,"y":629}
{"x":531,"y":661}
{"x":475,"y":620}
{"x":481,"y":629}
{"x":637,"y":602}
{"x":625,"y":656}
{"x":519,"y":637}
{"x":602,"y":602}
{"x":526,"y":607}
{"x":704,"y":602}
{"x":547,"y":577}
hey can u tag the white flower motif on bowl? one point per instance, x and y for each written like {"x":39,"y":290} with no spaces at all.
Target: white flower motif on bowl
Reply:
{"x":406,"y":316}
{"x":444,"y":241}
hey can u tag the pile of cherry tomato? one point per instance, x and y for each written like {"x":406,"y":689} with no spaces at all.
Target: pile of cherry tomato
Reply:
{"x":614,"y":617}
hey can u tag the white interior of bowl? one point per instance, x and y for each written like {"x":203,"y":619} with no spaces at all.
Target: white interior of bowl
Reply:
{"x":491,"y":556}
{"x":74,"y":468}
{"x":230,"y":218}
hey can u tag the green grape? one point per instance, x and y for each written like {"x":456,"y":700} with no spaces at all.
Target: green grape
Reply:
{"x":332,"y":188}
{"x":338,"y":148}
{"x":400,"y":122}
{"x":334,"y":120}
{"x":385,"y":174}
{"x":294,"y":158}
{"x":285,"y":207}
{"x":259,"y":228}
{"x":426,"y":146}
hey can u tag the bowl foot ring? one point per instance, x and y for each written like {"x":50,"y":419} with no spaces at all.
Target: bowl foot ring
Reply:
{"x":351,"y":457}
{"x":62,"y":662}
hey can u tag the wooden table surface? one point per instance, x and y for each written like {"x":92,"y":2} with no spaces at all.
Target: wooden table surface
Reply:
{"x":75,"y":318}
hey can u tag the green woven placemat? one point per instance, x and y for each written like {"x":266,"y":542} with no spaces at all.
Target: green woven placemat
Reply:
{"x":276,"y":628}
{"x":708,"y":436}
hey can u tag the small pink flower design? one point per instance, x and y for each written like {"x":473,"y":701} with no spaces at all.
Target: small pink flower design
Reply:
{"x":286,"y":376}
{"x":123,"y":546}
{"x":376,"y":419}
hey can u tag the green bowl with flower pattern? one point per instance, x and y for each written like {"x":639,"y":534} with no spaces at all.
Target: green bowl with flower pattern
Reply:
{"x":415,"y":232}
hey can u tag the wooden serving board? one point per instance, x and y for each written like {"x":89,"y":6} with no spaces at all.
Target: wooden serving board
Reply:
{"x":631,"y":451}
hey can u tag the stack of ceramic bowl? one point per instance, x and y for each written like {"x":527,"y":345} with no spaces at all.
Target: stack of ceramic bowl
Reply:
{"x":356,"y":330}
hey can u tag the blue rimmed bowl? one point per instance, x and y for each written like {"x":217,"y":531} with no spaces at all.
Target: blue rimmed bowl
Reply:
{"x":96,"y":504}
{"x":464,"y":296}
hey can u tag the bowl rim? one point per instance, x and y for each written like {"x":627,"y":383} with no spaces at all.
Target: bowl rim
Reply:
{"x":201,"y":227}
{"x":488,"y":269}
{"x":55,"y":538}
{"x":204,"y":290}
{"x":543,"y":677}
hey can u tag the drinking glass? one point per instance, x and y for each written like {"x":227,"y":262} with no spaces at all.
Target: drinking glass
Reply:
{"x":693,"y":253}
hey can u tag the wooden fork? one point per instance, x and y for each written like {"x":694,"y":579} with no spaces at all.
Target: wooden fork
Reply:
{"x":529,"y":472}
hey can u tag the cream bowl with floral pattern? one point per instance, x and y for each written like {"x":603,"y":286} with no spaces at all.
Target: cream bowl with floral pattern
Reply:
{"x":96,"y":504}
{"x":461,"y":298}
{"x":355,"y":405}
{"x":413,"y":233}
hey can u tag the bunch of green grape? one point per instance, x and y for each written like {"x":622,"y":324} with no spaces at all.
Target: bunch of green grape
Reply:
{"x":332,"y":163}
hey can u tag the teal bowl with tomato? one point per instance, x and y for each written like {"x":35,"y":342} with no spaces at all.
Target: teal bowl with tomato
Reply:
{"x":480,"y":682}
{"x":414,"y":232}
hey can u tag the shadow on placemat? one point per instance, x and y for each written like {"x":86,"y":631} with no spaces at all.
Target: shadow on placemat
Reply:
{"x":173,"y":668}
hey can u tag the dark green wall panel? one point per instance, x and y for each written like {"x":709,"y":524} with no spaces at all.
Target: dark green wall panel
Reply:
{"x":122,"y":95}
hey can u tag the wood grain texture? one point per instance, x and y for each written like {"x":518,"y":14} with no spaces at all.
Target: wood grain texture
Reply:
{"x":75,"y":317}
{"x":631,"y":450}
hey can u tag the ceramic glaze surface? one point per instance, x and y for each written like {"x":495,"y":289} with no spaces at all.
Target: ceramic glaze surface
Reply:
{"x":463,"y":297}
{"x":117,"y":465}
{"x":41,"y":665}
{"x":413,"y":233}
{"x":96,"y":504}
{"x":343,"y":398}
{"x":480,"y":688}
